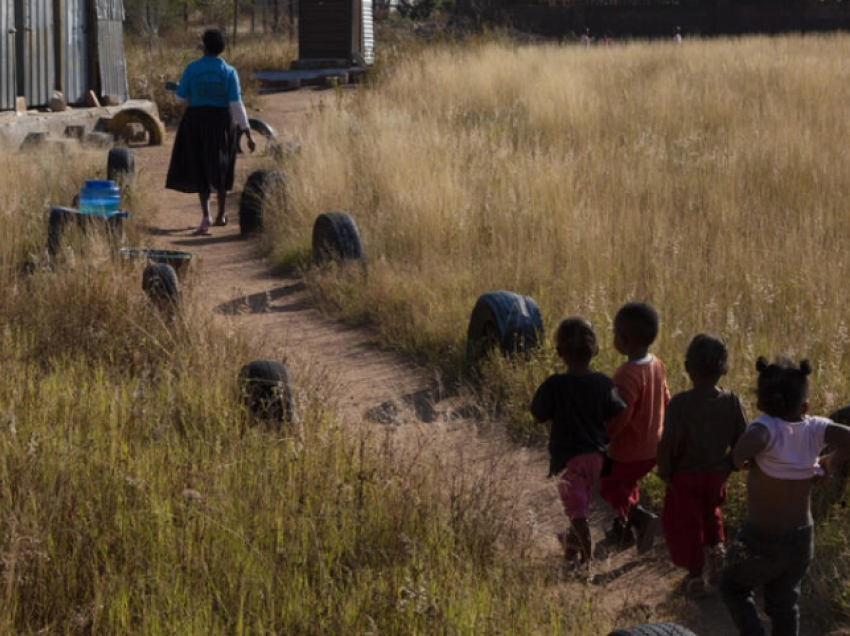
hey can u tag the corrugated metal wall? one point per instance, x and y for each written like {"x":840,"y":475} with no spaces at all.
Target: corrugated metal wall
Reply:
{"x":8,"y":73}
{"x":74,"y":63}
{"x":110,"y":53}
{"x":368,"y":32}
{"x":35,"y":51}
{"x":110,"y":48}
{"x":54,"y":37}
{"x":324,"y":29}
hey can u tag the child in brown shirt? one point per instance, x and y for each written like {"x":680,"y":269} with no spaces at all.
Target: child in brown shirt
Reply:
{"x":701,"y":427}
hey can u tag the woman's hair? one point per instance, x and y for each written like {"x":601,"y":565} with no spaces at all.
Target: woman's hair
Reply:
{"x":782,"y":385}
{"x":214,"y":41}
{"x":707,"y":356}
{"x":577,"y":338}
{"x":639,"y":321}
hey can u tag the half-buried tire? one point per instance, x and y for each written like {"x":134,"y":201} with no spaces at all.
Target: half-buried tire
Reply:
{"x":121,"y":166}
{"x":502,"y":320}
{"x":61,"y":217}
{"x":153,"y":126}
{"x":270,"y":145}
{"x":656,"y":629}
{"x":160,"y":284}
{"x":336,"y":238}
{"x":259,"y":189}
{"x":267,"y":391}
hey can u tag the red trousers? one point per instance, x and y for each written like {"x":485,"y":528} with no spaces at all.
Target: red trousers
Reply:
{"x":620,"y":488}
{"x":692,"y":517}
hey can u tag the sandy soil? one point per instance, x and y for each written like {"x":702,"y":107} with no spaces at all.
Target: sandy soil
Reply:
{"x":239,"y":288}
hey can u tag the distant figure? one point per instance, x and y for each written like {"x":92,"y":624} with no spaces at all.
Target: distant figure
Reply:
{"x":782,"y":450}
{"x":608,"y":39}
{"x":677,"y":36}
{"x":577,"y":403}
{"x":586,"y":39}
{"x":701,"y":428}
{"x":634,"y":434}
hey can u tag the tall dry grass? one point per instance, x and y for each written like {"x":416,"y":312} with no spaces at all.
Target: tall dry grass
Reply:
{"x":136,"y":496}
{"x":710,"y":180}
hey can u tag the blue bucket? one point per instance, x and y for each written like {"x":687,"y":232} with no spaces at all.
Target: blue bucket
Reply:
{"x":100,"y":197}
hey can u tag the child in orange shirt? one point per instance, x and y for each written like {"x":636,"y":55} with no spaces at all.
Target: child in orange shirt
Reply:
{"x":634,"y":434}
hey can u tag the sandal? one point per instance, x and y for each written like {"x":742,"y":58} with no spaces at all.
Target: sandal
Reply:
{"x":220,"y":221}
{"x":203,"y":229}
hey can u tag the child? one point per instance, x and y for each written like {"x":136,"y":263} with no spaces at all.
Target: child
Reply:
{"x":578,"y":403}
{"x":774,"y":547}
{"x":633,"y":435}
{"x":694,"y":459}
{"x":677,"y":36}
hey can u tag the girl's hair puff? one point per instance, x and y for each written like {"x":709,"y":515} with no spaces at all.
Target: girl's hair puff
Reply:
{"x":782,"y":385}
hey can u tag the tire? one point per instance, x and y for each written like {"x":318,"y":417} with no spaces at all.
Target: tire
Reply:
{"x":121,"y":166}
{"x":505,"y":320}
{"x":58,"y":220}
{"x":252,"y":205}
{"x":656,"y":629}
{"x":264,"y":130}
{"x":259,"y":126}
{"x":267,"y":391}
{"x":336,"y":238}
{"x":159,"y":282}
{"x":61,"y":217}
{"x":153,"y":126}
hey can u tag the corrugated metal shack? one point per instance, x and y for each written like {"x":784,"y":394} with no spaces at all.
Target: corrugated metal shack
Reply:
{"x":72,"y":46}
{"x":335,"y":33}
{"x":658,"y":18}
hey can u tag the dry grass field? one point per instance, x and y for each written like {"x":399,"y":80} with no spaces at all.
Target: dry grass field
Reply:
{"x":137,"y":498}
{"x":710,"y":180}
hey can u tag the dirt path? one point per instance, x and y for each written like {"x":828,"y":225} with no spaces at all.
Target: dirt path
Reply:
{"x":239,"y":289}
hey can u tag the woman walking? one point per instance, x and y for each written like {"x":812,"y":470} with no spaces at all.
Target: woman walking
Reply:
{"x":204,"y":154}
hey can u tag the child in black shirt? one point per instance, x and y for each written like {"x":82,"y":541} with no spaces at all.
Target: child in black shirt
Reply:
{"x":577,"y":403}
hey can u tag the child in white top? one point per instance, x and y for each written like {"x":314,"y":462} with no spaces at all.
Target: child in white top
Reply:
{"x":775,"y":546}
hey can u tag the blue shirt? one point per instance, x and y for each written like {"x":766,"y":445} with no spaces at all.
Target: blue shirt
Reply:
{"x":209,"y":81}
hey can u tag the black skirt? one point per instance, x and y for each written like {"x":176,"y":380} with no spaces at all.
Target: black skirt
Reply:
{"x":204,"y":154}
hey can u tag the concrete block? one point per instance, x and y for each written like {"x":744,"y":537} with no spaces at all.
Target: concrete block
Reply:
{"x":75,"y":132}
{"x":57,"y":102}
{"x":33,"y":140}
{"x":99,"y":139}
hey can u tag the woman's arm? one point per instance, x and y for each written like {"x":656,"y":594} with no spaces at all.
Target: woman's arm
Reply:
{"x":237,"y":109}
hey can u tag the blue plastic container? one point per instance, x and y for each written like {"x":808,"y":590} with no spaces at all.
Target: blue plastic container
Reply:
{"x":100,"y":197}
